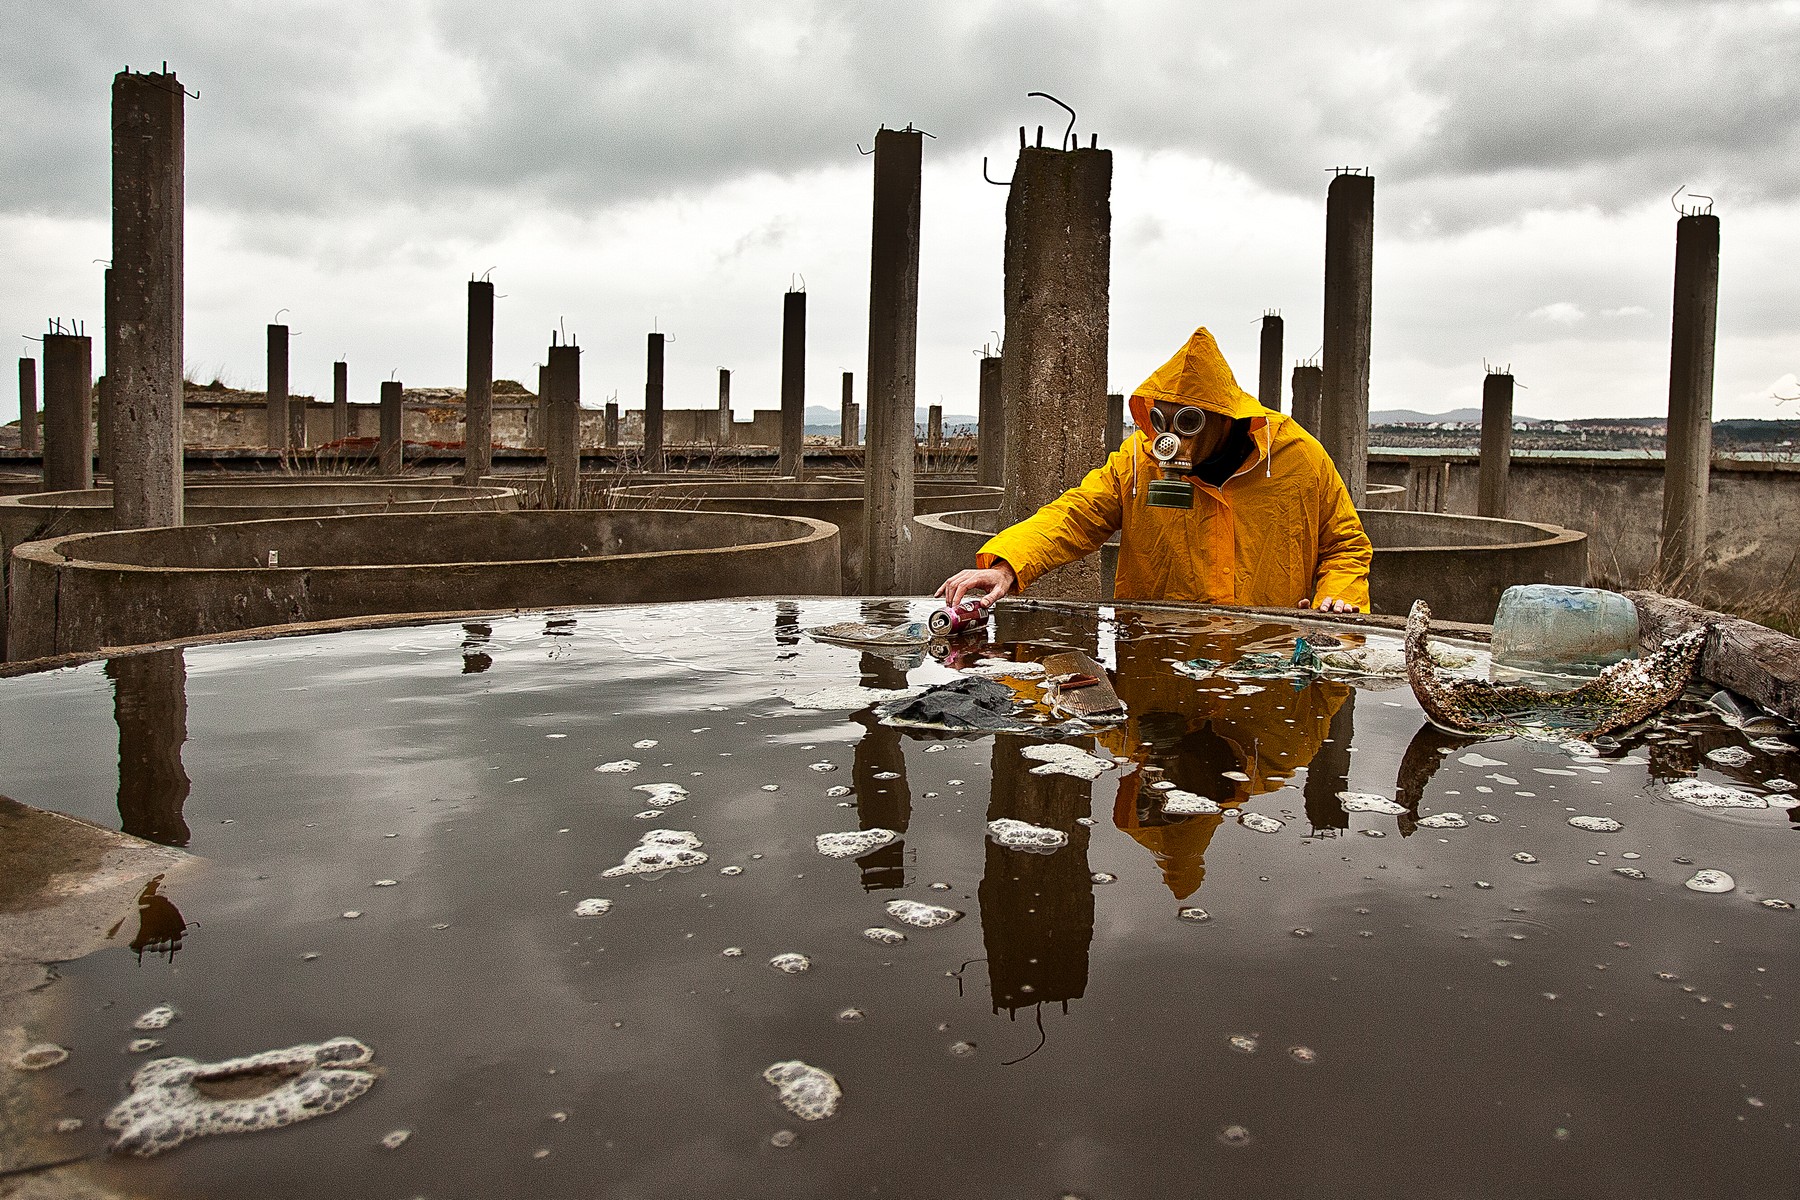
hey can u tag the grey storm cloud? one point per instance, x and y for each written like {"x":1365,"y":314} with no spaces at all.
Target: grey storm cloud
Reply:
{"x":1467,"y":111}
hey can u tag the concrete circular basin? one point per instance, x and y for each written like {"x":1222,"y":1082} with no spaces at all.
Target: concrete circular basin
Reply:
{"x":841,"y":503}
{"x":93,"y":590}
{"x":1385,"y":496}
{"x":1458,"y":565}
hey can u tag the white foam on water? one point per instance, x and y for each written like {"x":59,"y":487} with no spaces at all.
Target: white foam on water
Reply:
{"x":594,"y":906}
{"x":1067,"y":760}
{"x":1508,"y":780}
{"x":649,"y":814}
{"x":962,"y":1049}
{"x":1630,"y":872}
{"x":883,"y":936}
{"x":1716,"y":882}
{"x":810,"y":1093}
{"x":921,"y":915}
{"x":821,"y":767}
{"x":1179,"y":803}
{"x":623,"y":766}
{"x":1487,"y":818}
{"x":1303,"y":1054}
{"x":1000,"y":668}
{"x":663,"y":795}
{"x":791,"y":963}
{"x":166,"y":1108}
{"x":839,"y":790}
{"x":1443,"y":820}
{"x":1260,"y":823}
{"x":1555,"y":771}
{"x":160,"y":1017}
{"x":1237,"y":776}
{"x":1772,"y":745}
{"x":1103,"y":877}
{"x":646,"y":744}
{"x":1242,"y":1043}
{"x":886,"y":775}
{"x":1235,"y":1135}
{"x":851,"y":1016}
{"x":1022,"y":835}
{"x":1368,"y":802}
{"x":732,"y":952}
{"x":142,"y":1045}
{"x":844,"y":697}
{"x":386,"y":883}
{"x":1702,"y":794}
{"x":1773,"y":902}
{"x":1522,"y":857}
{"x":395,"y":1139}
{"x":853,"y":844}
{"x":1779,"y":785}
{"x":1478,"y":760}
{"x":658,"y":851}
{"x":781,"y":1139}
{"x":1575,"y":748}
{"x":1196,"y":916}
{"x":1730,"y":756}
{"x":1596,"y":824}
{"x":730,"y":871}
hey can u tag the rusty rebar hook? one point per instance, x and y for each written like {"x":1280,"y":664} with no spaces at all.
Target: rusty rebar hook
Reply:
{"x":990,"y":178}
{"x":1069,"y":133}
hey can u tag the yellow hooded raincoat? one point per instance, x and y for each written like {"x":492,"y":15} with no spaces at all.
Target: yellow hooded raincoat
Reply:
{"x":1280,"y":531}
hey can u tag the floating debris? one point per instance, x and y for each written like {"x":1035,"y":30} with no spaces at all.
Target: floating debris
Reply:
{"x":1702,"y":794}
{"x":1368,"y":802}
{"x":791,"y":963}
{"x":921,"y":915}
{"x":855,"y":843}
{"x":966,"y":703}
{"x":844,"y":697}
{"x":1259,"y":823}
{"x":167,"y":1107}
{"x":623,"y":766}
{"x":1022,"y":835}
{"x":1000,"y":668}
{"x":1730,"y":756}
{"x":1178,"y":803}
{"x":1596,"y":824}
{"x":1716,"y":882}
{"x":658,"y":851}
{"x":1198,"y":668}
{"x":1443,"y":820}
{"x":1067,"y":760}
{"x":881,"y":935}
{"x":160,"y":1017}
{"x":1745,"y":715}
{"x":41,"y":1057}
{"x":663,"y":795}
{"x":593,"y":907}
{"x":810,"y":1093}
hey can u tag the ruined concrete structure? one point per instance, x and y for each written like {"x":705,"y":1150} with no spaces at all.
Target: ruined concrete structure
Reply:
{"x":1349,"y":306}
{"x":1496,"y":442}
{"x":893,"y":353}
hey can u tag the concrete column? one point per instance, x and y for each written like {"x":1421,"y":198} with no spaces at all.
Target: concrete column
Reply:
{"x":855,"y":422}
{"x":653,"y":404}
{"x":1058,"y":272}
{"x":609,"y":424}
{"x":540,"y":418}
{"x":340,"y":401}
{"x":1309,"y":392}
{"x":478,"y":394}
{"x":68,"y":412}
{"x":277,"y":395}
{"x":1349,"y":275}
{"x":893,"y":358}
{"x":562,"y":443}
{"x":792,"y":460}
{"x":103,"y":437}
{"x":297,"y":422}
{"x":1687,"y":464}
{"x":846,"y":422}
{"x":1115,"y":421}
{"x":990,"y":425}
{"x":147,"y":289}
{"x":1268,"y":375}
{"x":724,"y":407}
{"x":934,"y":426}
{"x":393,"y":427}
{"x":1496,"y":444}
{"x":28,"y":406}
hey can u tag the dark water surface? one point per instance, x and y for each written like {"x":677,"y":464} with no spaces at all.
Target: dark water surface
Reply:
{"x":1415,"y":1014}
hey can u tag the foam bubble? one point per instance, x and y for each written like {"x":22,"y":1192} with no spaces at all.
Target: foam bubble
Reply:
{"x":1242,"y":1043}
{"x":1702,"y":794}
{"x":1197,"y":916}
{"x":851,"y":1016}
{"x":1235,"y":1135}
{"x":962,"y":1049}
{"x":921,"y":915}
{"x":663,"y":795}
{"x":821,"y":767}
{"x":886,"y":775}
{"x":1630,"y":872}
{"x":1477,"y":760}
{"x":839,"y":790}
{"x":999,"y":668}
{"x":781,"y":1139}
{"x":1596,"y":824}
{"x":593,"y":907}
{"x":1374,"y":833}
{"x":1730,"y":756}
{"x":623,"y":766}
{"x":855,"y":843}
{"x":810,"y":1093}
{"x":1236,"y":776}
{"x":1523,"y":857}
{"x":1303,"y":1054}
{"x":142,"y":1045}
{"x":1067,"y":760}
{"x":1260,"y":823}
{"x":1779,"y":785}
{"x":1022,"y":835}
{"x":1368,"y":802}
{"x":882,"y":935}
{"x":395,"y":1139}
{"x":791,"y":963}
{"x":732,"y":952}
{"x":731,"y":870}
{"x":386,"y":883}
{"x":166,"y":1108}
{"x":646,"y":744}
{"x":1178,"y":803}
{"x":1103,"y":877}
{"x":1487,"y":818}
{"x":649,"y":814}
{"x":1443,"y":820}
{"x":160,"y":1017}
{"x":1773,"y":902}
{"x":658,"y":851}
{"x":1717,"y":882}
{"x":41,"y":1057}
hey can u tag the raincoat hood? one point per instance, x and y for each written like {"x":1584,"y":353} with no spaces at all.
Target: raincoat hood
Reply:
{"x":1197,"y":376}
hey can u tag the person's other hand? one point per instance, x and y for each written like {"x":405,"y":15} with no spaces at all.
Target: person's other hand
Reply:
{"x":996,"y":581}
{"x":1331,"y":604}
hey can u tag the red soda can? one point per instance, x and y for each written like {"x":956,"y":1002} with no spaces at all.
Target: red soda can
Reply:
{"x":953,"y":622}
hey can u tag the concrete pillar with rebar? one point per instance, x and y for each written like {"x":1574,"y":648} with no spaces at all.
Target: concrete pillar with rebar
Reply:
{"x":1268,"y":374}
{"x":653,"y":403}
{"x":1496,"y":444}
{"x":1058,"y":273}
{"x":68,"y":412}
{"x":990,"y":424}
{"x":1309,"y":392}
{"x":724,"y":435}
{"x":562,"y":452}
{"x":609,"y":424}
{"x":478,"y":391}
{"x":146,"y":287}
{"x":934,"y":427}
{"x":792,"y":460}
{"x":893,"y":358}
{"x":28,"y":406}
{"x":1687,"y":462}
{"x":340,"y":401}
{"x":276,"y":396}
{"x":392,"y":454}
{"x":847,"y":424}
{"x":1349,"y":301}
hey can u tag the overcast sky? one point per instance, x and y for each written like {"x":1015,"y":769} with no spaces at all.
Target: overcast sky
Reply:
{"x":623,"y":166}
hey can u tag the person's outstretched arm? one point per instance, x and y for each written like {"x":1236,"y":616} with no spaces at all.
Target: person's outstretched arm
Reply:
{"x":996,"y":581}
{"x":1344,"y":553}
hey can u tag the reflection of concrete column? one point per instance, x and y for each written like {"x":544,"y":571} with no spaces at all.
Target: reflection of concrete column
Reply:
{"x":478,"y":396}
{"x":1057,"y":271}
{"x":881,"y":803}
{"x":68,"y":412}
{"x":562,"y":441}
{"x":476,"y":637}
{"x":793,"y":386}
{"x":653,"y":403}
{"x":393,"y":427}
{"x":28,"y":406}
{"x":1496,"y":443}
{"x":1037,"y":910}
{"x":150,"y":707}
{"x":787,"y":623}
{"x":990,"y":427}
{"x":1349,"y":306}
{"x":1329,"y":771}
{"x":893,"y":354}
{"x":1309,"y":392}
{"x":1268,"y":374}
{"x":276,"y":397}
{"x":1687,"y":463}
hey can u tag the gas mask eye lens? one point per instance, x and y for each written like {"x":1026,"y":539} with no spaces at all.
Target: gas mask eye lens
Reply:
{"x":1188,"y":421}
{"x":1159,"y":420}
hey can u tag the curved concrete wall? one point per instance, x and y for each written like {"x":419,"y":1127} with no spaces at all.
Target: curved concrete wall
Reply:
{"x":838,"y":502}
{"x":117,"y":589}
{"x":1385,"y":497}
{"x":1458,"y":565}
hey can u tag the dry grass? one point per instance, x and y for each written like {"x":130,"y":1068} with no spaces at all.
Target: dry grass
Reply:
{"x":1774,"y":603}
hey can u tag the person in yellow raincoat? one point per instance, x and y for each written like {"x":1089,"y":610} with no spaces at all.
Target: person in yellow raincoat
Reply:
{"x":1270,"y":521}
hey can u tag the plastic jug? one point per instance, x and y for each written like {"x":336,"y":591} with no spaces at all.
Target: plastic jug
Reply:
{"x":1545,"y":627}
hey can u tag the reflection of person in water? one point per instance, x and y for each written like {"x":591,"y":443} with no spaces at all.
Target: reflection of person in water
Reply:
{"x":160,"y":924}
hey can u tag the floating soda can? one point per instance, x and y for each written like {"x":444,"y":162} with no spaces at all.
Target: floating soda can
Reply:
{"x":955,"y":621}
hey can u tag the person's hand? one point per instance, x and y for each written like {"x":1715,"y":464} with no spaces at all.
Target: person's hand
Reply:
{"x":996,"y":581}
{"x":1330,"y":604}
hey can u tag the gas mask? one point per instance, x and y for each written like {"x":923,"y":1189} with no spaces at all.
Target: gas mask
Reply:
{"x":1175,"y":434}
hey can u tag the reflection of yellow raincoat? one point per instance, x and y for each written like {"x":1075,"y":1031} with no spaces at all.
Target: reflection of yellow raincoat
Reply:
{"x":1280,"y":531}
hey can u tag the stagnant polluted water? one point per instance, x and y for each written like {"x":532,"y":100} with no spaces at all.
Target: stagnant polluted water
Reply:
{"x":652,"y":902}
